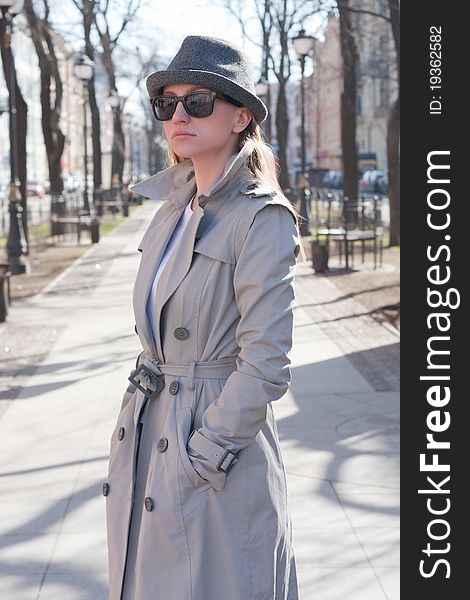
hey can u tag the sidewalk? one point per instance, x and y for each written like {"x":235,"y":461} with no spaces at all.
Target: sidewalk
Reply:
{"x":338,"y":426}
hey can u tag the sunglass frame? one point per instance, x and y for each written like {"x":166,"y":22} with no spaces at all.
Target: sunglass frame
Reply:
{"x":183,"y":98}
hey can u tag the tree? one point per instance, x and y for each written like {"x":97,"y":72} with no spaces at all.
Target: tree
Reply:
{"x":21,"y":121}
{"x":109,"y":42}
{"x":87,"y":11}
{"x":51,"y":92}
{"x":278,"y":20}
{"x":393,"y":136}
{"x":348,"y":102}
{"x":393,"y":124}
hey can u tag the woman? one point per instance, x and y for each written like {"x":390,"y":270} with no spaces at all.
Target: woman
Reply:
{"x":196,"y":489}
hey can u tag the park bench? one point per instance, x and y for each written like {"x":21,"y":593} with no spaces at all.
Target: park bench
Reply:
{"x":111,"y":200}
{"x":355,"y":223}
{"x":62,"y":224}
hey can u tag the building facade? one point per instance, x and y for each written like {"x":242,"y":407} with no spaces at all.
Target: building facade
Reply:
{"x":27,"y":72}
{"x":376,"y":91}
{"x":72,"y":115}
{"x":377,"y":82}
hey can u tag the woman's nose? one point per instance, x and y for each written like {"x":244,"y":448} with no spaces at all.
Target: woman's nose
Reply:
{"x":180,"y":114}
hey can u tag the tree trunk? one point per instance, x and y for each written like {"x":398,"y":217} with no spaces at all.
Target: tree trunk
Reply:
{"x":348,"y":103}
{"x":21,"y":127}
{"x":54,"y":139}
{"x":118,"y":148}
{"x":282,"y":124}
{"x":282,"y":119}
{"x":393,"y":141}
{"x":393,"y":137}
{"x":88,"y":6}
{"x":266,"y":26}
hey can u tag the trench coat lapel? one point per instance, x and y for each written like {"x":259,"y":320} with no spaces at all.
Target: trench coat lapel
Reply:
{"x":156,"y":239}
{"x":175,"y":270}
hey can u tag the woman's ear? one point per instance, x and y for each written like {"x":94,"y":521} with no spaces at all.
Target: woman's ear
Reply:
{"x":242,"y":120}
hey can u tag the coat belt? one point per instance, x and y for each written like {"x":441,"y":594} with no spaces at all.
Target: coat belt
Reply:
{"x":211,"y":369}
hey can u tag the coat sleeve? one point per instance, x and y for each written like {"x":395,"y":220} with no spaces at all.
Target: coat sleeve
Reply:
{"x":265,"y":295}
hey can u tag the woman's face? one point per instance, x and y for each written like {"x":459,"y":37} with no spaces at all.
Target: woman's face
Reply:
{"x":204,"y":136}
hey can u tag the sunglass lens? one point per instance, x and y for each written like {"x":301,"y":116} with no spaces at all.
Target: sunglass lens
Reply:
{"x":199,"y":104}
{"x":164,"y":107}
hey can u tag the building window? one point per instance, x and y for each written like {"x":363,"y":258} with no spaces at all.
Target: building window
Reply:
{"x":382,"y":47}
{"x":383,"y":95}
{"x":358,"y":105}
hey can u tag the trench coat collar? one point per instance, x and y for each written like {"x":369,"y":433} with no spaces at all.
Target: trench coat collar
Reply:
{"x":177,"y":183}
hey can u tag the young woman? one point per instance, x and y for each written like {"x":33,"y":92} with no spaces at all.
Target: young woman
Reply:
{"x":196,"y":490}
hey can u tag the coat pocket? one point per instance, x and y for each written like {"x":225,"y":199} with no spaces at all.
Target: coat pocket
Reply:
{"x":183,"y":427}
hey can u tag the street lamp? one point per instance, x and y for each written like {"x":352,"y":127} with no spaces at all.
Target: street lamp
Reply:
{"x":262,"y":90}
{"x":114,"y":100}
{"x":130,"y":126}
{"x":3,"y":102}
{"x":16,"y":241}
{"x":83,"y":69}
{"x":303,"y":46}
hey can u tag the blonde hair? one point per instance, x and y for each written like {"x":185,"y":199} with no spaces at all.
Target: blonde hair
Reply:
{"x":261,"y":163}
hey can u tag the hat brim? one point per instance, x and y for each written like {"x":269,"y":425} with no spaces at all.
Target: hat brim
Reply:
{"x":157,"y":81}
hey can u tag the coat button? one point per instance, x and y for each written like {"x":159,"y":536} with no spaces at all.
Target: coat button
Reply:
{"x":181,"y":333}
{"x":173,"y":389}
{"x":121,"y":433}
{"x":148,"y":504}
{"x":162,"y":444}
{"x":105,"y":489}
{"x":252,"y":186}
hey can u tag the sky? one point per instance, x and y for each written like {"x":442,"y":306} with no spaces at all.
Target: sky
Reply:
{"x":175,"y":20}
{"x":172,"y":21}
{"x":163,"y":24}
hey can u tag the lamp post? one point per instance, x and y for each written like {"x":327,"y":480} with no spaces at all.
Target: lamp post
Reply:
{"x":83,"y":69}
{"x":303,"y":46}
{"x":130,"y":126}
{"x":16,"y":241}
{"x":262,"y":90}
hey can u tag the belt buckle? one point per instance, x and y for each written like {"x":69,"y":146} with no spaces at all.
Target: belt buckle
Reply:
{"x":149,"y":383}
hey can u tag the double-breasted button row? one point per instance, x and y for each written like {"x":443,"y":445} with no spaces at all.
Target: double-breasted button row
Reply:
{"x":174,"y":386}
{"x":148,"y":502}
{"x":181,"y":333}
{"x":121,"y":433}
{"x":162,"y":444}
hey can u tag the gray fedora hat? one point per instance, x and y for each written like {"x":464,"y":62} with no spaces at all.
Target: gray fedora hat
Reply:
{"x":214,"y":63}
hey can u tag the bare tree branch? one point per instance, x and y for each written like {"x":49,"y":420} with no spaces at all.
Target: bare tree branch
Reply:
{"x":372,"y":13}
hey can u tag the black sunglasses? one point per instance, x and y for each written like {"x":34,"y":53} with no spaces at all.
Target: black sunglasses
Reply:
{"x":196,"y":104}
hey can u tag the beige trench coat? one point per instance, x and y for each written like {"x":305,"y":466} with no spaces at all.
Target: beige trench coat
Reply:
{"x":224,"y":324}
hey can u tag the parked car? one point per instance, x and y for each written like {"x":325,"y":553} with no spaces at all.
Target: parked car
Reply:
{"x":382,"y":184}
{"x":333,"y":179}
{"x":71,"y":183}
{"x":373,"y":182}
{"x":35,"y":189}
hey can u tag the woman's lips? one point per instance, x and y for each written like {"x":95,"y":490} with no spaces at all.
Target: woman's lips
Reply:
{"x":182,"y":134}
